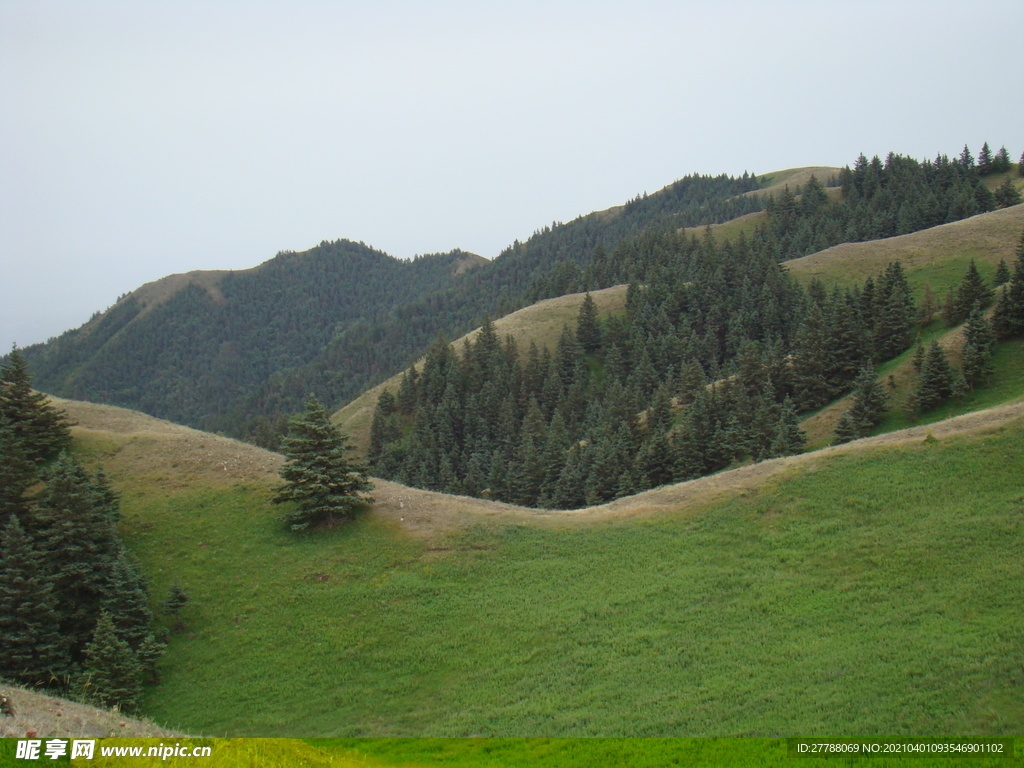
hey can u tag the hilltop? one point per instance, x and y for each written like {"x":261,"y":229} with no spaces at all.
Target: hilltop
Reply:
{"x":237,"y":351}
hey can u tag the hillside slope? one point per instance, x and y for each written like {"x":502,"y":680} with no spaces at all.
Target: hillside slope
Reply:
{"x":753,"y":602}
{"x":236,"y":351}
{"x":938,"y":255}
{"x":194,"y":347}
{"x":539,"y":323}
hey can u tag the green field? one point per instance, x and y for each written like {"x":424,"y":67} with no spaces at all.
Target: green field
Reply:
{"x":877,"y":593}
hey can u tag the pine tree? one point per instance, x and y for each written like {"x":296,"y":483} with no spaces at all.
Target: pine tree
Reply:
{"x":976,"y":362}
{"x":33,"y":651}
{"x":322,"y":481}
{"x":1008,"y":317}
{"x":972,"y":291}
{"x":935,"y":385}
{"x":73,"y":528}
{"x":985,"y":160}
{"x":111,"y":675}
{"x":866,"y":410}
{"x":588,"y":331}
{"x":16,"y":474}
{"x":1001,"y":162}
{"x":41,"y":430}
{"x":789,"y":438}
{"x":177,"y":598}
{"x":1002,"y":275}
{"x":1006,"y":194}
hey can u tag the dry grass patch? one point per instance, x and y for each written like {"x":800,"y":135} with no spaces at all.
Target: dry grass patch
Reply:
{"x":143,"y":446}
{"x":793,"y":178}
{"x":177,"y":457}
{"x":55,"y":718}
{"x":986,"y":238}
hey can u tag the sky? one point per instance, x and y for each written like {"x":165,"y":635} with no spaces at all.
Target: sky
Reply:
{"x":141,"y":139}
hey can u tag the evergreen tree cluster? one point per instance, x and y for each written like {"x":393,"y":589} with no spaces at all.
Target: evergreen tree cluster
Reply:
{"x":880,"y":200}
{"x":239,"y":356}
{"x":74,"y":611}
{"x":1008,"y":316}
{"x":711,"y":363}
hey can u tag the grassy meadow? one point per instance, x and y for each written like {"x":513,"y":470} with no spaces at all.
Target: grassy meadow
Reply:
{"x":868,"y":593}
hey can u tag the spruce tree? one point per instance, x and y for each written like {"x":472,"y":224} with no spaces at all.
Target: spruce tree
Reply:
{"x":1002,"y":273}
{"x":985,"y":160}
{"x":33,"y":651}
{"x":935,"y":385}
{"x":976,"y":362}
{"x":972,"y":291}
{"x":1006,"y":194}
{"x":319,"y":477}
{"x":789,"y":438}
{"x":111,"y":675}
{"x":17,"y":473}
{"x":865,"y":411}
{"x":72,"y":525}
{"x":1008,"y":317}
{"x":588,"y":332}
{"x":42,"y":430}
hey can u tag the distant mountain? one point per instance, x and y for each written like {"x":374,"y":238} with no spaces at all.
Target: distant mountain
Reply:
{"x":191,"y":347}
{"x":237,"y":352}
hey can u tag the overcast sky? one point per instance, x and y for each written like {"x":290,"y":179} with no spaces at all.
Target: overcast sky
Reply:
{"x":142,"y":138}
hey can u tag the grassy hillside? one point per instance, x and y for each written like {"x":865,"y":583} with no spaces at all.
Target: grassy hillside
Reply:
{"x":540,"y":323}
{"x":871,"y":588}
{"x":939,"y":255}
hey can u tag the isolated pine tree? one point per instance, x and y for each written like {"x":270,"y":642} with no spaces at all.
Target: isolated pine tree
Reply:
{"x":319,"y":477}
{"x":177,"y":598}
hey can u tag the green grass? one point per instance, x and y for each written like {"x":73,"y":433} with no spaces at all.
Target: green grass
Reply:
{"x":877,"y":594}
{"x":1006,"y":384}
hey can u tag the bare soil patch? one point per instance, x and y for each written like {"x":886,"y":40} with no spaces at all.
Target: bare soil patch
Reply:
{"x":55,"y":718}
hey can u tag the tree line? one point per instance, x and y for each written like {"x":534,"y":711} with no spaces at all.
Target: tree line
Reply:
{"x":240,"y":359}
{"x":710,"y":367}
{"x":74,"y":608}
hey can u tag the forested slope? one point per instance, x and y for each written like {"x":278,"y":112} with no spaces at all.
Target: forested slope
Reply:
{"x":238,"y":352}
